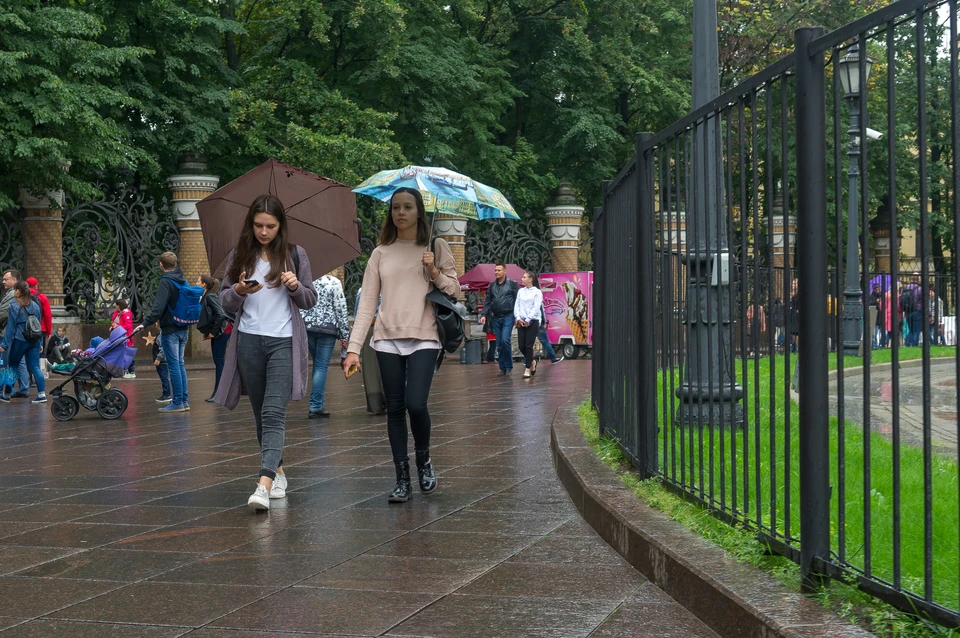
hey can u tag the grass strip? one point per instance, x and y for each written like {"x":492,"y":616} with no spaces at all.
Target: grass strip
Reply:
{"x":846,"y":601}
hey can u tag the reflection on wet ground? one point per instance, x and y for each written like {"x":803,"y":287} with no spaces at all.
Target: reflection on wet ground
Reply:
{"x":138,"y":527}
{"x":942,"y":389}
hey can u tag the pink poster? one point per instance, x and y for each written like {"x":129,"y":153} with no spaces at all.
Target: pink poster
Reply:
{"x":568,"y":306}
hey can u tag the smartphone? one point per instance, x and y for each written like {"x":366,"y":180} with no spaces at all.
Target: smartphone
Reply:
{"x":352,"y":370}
{"x":250,"y":282}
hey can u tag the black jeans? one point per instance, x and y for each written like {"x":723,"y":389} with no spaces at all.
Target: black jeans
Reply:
{"x":406,"y":386}
{"x":266,"y":370}
{"x":526,"y":337}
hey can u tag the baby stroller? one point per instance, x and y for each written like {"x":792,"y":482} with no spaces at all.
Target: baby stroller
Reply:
{"x":91,"y":380}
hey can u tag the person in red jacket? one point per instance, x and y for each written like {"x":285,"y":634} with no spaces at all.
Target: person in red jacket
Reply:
{"x":46,"y":316}
{"x":122,"y":317}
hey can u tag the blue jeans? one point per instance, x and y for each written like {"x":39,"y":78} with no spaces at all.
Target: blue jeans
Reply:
{"x":164,"y":374}
{"x":321,"y":349}
{"x":23,"y":380}
{"x":218,"y":346}
{"x":27,"y":355}
{"x":914,"y":319}
{"x":545,"y":342}
{"x":173,"y":344}
{"x":503,"y":330}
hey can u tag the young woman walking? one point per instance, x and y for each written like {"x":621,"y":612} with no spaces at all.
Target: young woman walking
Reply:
{"x":15,"y":346}
{"x":401,"y":271}
{"x":215,"y":325}
{"x":268,"y":357}
{"x":527,"y":309}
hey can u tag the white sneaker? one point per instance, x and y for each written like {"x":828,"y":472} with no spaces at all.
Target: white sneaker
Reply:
{"x":130,"y":375}
{"x":279,"y":487}
{"x":42,"y":398}
{"x":259,"y":500}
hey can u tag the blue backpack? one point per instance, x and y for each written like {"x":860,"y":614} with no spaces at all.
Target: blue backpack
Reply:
{"x":186,"y":312}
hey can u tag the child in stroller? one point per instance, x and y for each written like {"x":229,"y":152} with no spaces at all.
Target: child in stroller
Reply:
{"x":91,"y":380}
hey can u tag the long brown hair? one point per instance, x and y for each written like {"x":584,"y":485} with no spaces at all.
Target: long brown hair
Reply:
{"x":248,"y":248}
{"x":211,"y":284}
{"x":388,"y":234}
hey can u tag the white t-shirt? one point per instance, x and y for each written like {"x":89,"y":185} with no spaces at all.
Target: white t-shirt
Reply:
{"x":267,"y":311}
{"x":403,"y":347}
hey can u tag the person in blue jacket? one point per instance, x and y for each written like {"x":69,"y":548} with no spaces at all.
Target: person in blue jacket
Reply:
{"x":14,"y":344}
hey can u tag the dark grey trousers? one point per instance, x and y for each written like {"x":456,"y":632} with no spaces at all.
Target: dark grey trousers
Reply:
{"x":266,"y":370}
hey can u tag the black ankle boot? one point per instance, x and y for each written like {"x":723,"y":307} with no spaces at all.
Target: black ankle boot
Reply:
{"x":401,"y":493}
{"x":428,"y":480}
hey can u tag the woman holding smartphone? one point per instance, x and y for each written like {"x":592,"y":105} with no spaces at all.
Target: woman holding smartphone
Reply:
{"x":401,"y":271}
{"x":268,"y":356}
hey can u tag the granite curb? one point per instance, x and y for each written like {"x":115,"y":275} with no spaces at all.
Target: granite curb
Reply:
{"x":732,"y":598}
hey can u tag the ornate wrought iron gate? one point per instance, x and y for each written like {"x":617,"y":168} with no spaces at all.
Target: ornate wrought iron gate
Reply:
{"x":111,"y":247}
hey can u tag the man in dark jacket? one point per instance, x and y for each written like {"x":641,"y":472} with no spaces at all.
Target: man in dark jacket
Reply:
{"x":174,"y":337}
{"x":498,"y":309}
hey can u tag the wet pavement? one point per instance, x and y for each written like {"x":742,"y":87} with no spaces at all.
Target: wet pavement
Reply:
{"x":139,"y":527}
{"x":943,"y":404}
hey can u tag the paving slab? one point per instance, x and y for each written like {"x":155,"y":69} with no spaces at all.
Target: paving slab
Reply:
{"x":138,"y":527}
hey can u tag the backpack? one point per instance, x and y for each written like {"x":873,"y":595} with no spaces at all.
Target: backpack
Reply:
{"x":32,"y":331}
{"x":908,"y":302}
{"x":186,"y":312}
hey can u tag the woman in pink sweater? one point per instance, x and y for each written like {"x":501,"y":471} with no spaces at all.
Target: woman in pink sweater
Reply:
{"x":401,"y":271}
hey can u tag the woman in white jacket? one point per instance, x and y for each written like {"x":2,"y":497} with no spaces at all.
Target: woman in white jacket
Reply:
{"x":526,"y":310}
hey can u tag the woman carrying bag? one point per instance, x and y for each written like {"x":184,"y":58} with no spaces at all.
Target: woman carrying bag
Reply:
{"x":215,"y":325}
{"x":402,"y":270}
{"x":268,"y":357}
{"x":528,"y":309}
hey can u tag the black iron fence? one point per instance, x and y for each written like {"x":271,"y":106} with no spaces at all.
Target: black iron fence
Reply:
{"x":738,"y":365}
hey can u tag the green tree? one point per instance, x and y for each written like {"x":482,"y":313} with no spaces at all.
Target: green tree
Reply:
{"x":58,"y":86}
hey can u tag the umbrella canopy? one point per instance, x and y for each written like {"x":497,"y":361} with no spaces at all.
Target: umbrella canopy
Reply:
{"x":479,"y":277}
{"x":884,"y":281}
{"x":443,"y":192}
{"x":321,"y":215}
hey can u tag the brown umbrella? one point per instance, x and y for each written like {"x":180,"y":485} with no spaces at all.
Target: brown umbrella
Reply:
{"x":321,"y":214}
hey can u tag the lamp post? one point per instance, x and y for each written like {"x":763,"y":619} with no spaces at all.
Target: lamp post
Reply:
{"x":853,"y":85}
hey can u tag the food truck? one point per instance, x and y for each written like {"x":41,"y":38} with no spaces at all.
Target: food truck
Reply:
{"x":568,"y":306}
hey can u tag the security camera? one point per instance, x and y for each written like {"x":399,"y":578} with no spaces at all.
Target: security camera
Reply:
{"x":874,"y":135}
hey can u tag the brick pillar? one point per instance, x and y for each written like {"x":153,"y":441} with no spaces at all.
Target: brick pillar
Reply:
{"x":453,"y":229}
{"x":784,"y":244}
{"x":189,"y":186}
{"x":42,"y":229}
{"x":563,"y":224}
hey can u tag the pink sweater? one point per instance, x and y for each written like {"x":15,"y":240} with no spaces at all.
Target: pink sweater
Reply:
{"x":396,"y":275}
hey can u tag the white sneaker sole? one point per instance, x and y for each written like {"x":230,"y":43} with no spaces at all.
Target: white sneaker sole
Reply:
{"x":275,"y":493}
{"x":257,"y":504}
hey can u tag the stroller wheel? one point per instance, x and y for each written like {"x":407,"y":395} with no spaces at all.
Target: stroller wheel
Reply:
{"x":112,"y":404}
{"x":64,"y":407}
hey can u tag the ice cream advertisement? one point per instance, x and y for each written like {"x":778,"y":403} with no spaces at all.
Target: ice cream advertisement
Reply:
{"x":567,"y":303}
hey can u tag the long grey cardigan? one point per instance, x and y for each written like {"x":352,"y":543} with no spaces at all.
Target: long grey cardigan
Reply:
{"x":304,"y":297}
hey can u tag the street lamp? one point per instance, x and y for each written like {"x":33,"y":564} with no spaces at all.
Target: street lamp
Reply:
{"x":849,"y":68}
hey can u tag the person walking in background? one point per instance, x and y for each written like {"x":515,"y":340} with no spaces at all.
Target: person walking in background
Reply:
{"x":779,"y":321}
{"x":122,"y":317}
{"x":756,"y":326}
{"x":268,"y":357}
{"x":935,"y":318}
{"x":498,"y":304}
{"x":19,"y":342}
{"x":327,"y":325}
{"x":911,"y":308}
{"x":46,"y":319}
{"x":544,"y":339}
{"x":215,"y":325}
{"x":793,"y":316}
{"x":10,"y":279}
{"x":527,"y":309}
{"x":160,"y":363}
{"x":402,"y":270}
{"x":174,"y":335}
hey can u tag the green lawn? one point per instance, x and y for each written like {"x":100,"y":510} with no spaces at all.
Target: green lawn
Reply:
{"x":764,"y":439}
